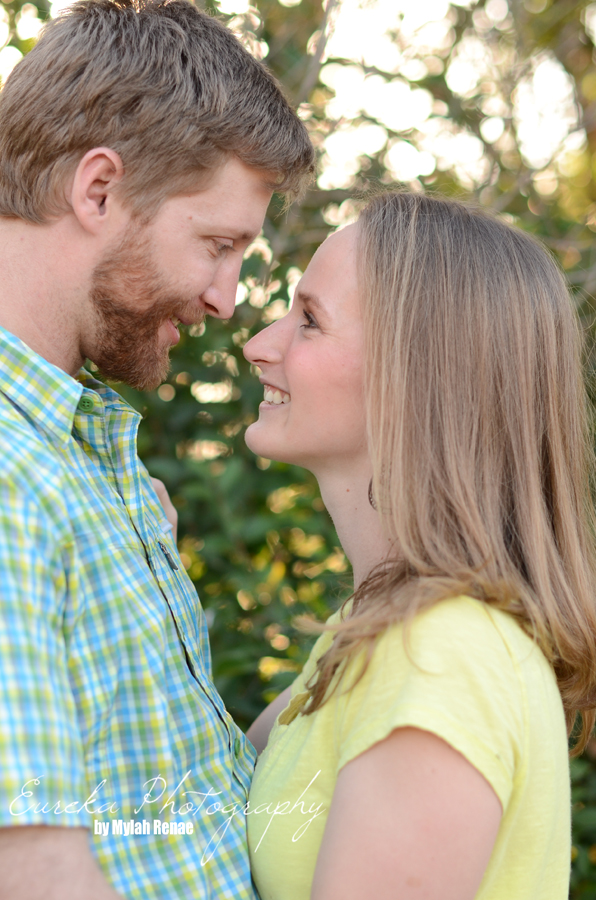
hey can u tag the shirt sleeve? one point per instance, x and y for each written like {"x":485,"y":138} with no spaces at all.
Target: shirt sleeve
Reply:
{"x":41,"y":755}
{"x":454,"y":677}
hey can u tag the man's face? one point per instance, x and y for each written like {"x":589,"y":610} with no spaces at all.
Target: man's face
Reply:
{"x":182,"y":265}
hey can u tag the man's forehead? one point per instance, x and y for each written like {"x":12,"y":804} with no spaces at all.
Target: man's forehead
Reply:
{"x":238,"y":215}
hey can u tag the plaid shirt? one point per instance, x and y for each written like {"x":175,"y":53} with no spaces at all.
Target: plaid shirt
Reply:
{"x":108,"y":712}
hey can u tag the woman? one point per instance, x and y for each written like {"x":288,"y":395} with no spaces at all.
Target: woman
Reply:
{"x":428,"y":374}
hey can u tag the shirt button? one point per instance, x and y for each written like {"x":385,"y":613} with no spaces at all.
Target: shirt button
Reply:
{"x":86,"y":403}
{"x":237,"y":747}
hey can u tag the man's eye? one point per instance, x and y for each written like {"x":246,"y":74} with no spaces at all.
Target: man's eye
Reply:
{"x":310,"y":322}
{"x":221,"y":249}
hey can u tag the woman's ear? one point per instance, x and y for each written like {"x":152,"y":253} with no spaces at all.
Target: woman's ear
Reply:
{"x":97,"y":173}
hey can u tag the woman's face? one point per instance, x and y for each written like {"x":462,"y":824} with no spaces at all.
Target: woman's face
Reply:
{"x":311,"y":361}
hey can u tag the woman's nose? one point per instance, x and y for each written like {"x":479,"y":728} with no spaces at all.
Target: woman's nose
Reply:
{"x":265,"y":347}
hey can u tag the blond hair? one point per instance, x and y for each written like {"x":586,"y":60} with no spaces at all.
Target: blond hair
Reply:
{"x":479,"y":437}
{"x":166,"y":86}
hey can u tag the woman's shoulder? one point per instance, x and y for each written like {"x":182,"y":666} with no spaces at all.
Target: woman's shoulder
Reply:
{"x":457,"y":634}
{"x":465,"y":614}
{"x":463,"y":640}
{"x":462,"y":670}
{"x":470,"y":628}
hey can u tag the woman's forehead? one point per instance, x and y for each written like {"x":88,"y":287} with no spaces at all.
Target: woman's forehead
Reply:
{"x":331,"y":276}
{"x":336,"y":252}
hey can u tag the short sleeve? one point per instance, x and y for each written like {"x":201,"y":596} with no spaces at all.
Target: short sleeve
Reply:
{"x":456,"y":678}
{"x":41,"y":754}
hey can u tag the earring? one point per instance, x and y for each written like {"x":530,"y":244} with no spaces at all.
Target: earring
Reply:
{"x":371,"y":498}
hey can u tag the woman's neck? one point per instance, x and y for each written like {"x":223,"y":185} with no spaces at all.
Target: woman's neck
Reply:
{"x":358,"y":527}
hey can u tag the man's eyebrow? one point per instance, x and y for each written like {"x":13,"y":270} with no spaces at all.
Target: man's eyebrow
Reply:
{"x":242,"y":236}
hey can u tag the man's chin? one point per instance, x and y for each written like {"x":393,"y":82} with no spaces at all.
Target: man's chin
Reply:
{"x":148,"y":385}
{"x":140,"y":376}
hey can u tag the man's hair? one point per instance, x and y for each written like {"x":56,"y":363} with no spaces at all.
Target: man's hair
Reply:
{"x":166,"y":86}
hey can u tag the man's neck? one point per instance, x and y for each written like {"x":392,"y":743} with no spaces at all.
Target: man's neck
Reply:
{"x":40,"y":290}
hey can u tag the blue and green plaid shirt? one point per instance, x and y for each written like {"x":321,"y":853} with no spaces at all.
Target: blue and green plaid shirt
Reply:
{"x":108,"y":714}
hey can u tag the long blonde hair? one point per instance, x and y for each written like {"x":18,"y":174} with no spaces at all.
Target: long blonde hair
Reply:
{"x":478,"y":434}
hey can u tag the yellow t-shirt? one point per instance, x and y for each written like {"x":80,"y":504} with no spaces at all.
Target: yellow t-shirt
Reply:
{"x":473,"y":678}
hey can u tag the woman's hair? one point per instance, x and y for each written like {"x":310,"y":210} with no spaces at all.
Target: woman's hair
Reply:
{"x":479,"y":437}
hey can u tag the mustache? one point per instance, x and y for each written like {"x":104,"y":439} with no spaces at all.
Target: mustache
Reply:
{"x":158,"y":310}
{"x":132,"y":299}
{"x":129,"y":272}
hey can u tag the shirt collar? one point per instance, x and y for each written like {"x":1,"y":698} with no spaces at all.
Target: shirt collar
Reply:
{"x":110,"y":399}
{"x":45,"y":393}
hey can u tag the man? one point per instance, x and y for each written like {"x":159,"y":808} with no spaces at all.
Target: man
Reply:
{"x":139,"y":147}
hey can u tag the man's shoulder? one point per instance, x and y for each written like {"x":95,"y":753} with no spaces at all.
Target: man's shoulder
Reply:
{"x":24,"y":449}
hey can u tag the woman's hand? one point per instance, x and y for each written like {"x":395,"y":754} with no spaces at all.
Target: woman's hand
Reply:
{"x":168,"y":507}
{"x":410,"y":819}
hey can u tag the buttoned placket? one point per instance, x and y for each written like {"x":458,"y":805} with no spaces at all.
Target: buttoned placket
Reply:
{"x":127,"y":472}
{"x":93,"y":420}
{"x":100,"y":426}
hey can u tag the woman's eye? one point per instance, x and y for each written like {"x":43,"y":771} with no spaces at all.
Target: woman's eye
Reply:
{"x":310,"y":322}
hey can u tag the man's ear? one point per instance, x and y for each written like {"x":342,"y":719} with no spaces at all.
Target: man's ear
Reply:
{"x":97,"y":173}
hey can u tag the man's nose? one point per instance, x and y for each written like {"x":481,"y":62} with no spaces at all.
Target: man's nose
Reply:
{"x":219,"y":299}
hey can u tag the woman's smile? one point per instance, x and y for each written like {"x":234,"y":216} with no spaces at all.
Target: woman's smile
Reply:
{"x":311,"y":367}
{"x":274,"y":396}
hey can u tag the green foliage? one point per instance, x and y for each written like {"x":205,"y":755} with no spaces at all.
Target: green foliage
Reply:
{"x":583,"y":780}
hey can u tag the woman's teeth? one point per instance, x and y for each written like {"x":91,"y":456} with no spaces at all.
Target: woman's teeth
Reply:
{"x":274,"y":395}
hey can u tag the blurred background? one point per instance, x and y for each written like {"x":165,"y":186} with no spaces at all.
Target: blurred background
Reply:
{"x":489,"y":99}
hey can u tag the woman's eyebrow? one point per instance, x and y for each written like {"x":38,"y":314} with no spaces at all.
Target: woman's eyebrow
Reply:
{"x":309,"y":299}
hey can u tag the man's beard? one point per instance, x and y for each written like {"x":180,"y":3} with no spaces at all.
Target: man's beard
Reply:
{"x":132,"y":300}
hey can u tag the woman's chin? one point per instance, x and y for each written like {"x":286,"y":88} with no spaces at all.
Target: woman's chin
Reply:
{"x":258,"y":442}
